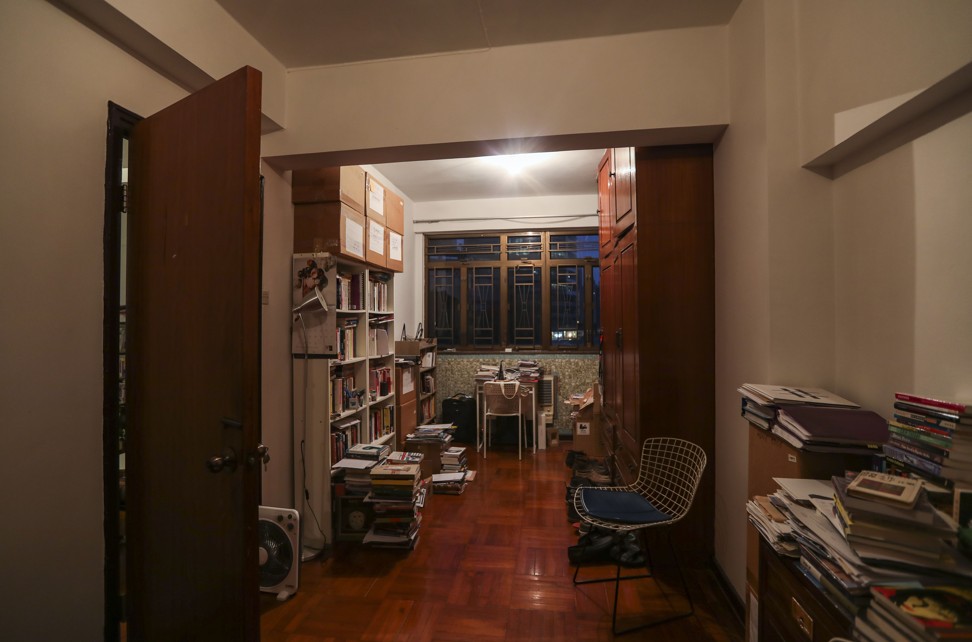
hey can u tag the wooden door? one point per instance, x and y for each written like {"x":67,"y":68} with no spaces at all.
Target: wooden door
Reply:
{"x":629,"y":432}
{"x":194,"y":269}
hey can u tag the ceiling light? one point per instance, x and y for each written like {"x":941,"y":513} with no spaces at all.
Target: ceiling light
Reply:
{"x":514,"y":163}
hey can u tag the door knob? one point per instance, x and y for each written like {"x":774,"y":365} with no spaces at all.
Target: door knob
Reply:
{"x":260,"y":455}
{"x":227,"y":460}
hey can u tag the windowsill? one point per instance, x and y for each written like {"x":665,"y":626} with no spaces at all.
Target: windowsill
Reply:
{"x":501,"y":353}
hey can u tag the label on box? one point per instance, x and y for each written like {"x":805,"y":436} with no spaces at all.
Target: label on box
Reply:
{"x":353,"y":237}
{"x":376,"y":237}
{"x":394,"y":246}
{"x":376,"y":197}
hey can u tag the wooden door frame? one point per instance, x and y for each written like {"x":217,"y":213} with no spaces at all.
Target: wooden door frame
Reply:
{"x":120,"y":124}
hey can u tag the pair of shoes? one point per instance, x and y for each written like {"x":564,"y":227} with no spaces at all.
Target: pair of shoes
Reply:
{"x":574,"y":455}
{"x":596,"y":472}
{"x":591,"y":547}
{"x":627,"y":551}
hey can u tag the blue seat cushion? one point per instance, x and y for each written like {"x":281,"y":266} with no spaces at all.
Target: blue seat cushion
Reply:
{"x":625,"y":507}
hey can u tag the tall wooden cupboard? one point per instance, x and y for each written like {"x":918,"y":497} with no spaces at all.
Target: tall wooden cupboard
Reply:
{"x":655,"y":212}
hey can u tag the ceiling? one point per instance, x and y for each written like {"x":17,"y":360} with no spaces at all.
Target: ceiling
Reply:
{"x":310,"y":33}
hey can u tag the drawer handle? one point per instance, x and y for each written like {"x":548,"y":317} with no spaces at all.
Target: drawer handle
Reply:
{"x":802,"y":618}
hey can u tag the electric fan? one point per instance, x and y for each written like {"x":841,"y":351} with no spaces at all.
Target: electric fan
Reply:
{"x":279,"y":555}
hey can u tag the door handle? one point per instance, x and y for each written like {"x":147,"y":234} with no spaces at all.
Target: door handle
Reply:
{"x":258,"y":456}
{"x":227,"y":460}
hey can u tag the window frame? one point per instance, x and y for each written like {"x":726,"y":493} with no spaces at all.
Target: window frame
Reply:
{"x":504,"y":263}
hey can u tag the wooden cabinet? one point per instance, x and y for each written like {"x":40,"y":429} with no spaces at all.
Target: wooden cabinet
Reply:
{"x":657,"y":311}
{"x":605,"y":210}
{"x":791,"y":607}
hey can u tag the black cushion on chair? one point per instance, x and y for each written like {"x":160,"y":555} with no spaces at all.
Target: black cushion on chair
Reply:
{"x":626,"y":507}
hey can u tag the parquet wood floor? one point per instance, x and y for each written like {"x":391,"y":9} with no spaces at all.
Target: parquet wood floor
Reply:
{"x":491,"y":564}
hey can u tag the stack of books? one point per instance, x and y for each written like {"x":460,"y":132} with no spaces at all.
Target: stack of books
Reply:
{"x":529,"y":371}
{"x":831,"y":429}
{"x":371,"y":452}
{"x":431,"y":433}
{"x":395,"y":490}
{"x":487,"y":373}
{"x":921,"y":611}
{"x":356,"y":476}
{"x":449,"y":483}
{"x":454,"y":459}
{"x":931,"y":439}
{"x":761,"y":402}
{"x":402,"y":457}
{"x":889,"y":521}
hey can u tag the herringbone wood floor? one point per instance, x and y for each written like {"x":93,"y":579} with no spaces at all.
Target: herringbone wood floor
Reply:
{"x":491,"y":564}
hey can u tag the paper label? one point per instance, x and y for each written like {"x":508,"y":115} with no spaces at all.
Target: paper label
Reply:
{"x":353,"y":237}
{"x":394,"y":246}
{"x":376,"y":237}
{"x":376,"y":198}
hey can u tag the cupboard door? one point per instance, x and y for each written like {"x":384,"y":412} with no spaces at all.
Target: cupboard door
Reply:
{"x":629,"y":432}
{"x":605,"y":212}
{"x":624,"y":188}
{"x":609,"y":345}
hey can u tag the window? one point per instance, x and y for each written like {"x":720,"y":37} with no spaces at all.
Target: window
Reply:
{"x":529,"y":290}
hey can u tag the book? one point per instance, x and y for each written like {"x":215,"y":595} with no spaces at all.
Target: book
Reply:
{"x":860,"y":507}
{"x":935,"y":611}
{"x":934,"y":413}
{"x":835,"y":424}
{"x":774,"y":394}
{"x":957,"y":407}
{"x":899,"y":491}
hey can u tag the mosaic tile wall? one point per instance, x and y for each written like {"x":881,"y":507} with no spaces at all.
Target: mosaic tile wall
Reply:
{"x":576,"y":373}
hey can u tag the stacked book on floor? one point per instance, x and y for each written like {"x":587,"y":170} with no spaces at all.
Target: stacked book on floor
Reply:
{"x":431,"y":433}
{"x":371,"y":452}
{"x":449,"y":483}
{"x":352,"y":476}
{"x":931,"y":439}
{"x":395,"y":491}
{"x":454,"y":459}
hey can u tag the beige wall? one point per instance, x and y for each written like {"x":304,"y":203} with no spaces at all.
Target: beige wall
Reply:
{"x":59,"y":77}
{"x":844,"y":284}
{"x":578,"y":86}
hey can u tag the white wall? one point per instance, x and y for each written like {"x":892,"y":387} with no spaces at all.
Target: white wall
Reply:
{"x":58,"y":77}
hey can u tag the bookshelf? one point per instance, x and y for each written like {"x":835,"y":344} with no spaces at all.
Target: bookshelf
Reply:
{"x":425,"y":351}
{"x":343,"y":398}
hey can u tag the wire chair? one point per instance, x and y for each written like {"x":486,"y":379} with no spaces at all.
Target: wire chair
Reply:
{"x":668,"y":478}
{"x":503,"y":399}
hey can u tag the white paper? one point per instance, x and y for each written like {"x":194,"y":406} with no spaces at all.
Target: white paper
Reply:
{"x":804,"y":490}
{"x":353,"y":237}
{"x":376,"y":197}
{"x":394,"y":246}
{"x":349,"y":462}
{"x":376,"y":237}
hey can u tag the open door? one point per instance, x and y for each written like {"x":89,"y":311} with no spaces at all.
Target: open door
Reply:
{"x":193,"y":333}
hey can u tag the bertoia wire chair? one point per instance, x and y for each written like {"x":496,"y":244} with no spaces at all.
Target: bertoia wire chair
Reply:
{"x":503,"y":399}
{"x":668,"y":478}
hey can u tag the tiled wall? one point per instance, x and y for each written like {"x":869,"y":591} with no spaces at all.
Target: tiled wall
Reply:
{"x":576,"y":373}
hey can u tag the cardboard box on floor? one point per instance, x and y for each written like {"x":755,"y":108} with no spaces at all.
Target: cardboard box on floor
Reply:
{"x":587,"y":422}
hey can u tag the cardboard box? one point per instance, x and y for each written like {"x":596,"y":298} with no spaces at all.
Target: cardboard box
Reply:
{"x":587,"y":423}
{"x":330,"y":184}
{"x":329,"y":227}
{"x":394,"y":212}
{"x":375,"y":253}
{"x":394,"y":260}
{"x":375,"y":193}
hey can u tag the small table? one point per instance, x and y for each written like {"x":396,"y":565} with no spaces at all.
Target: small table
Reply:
{"x":531,"y":414}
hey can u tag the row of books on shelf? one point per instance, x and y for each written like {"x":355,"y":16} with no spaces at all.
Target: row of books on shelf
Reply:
{"x":381,"y":422}
{"x":344,"y":396}
{"x":344,"y":436}
{"x":378,"y":291}
{"x":379,"y":382}
{"x":346,"y":330}
{"x":428,"y":384}
{"x":350,"y":291}
{"x":869,"y":539}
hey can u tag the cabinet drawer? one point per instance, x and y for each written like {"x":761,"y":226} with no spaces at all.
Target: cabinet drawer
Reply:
{"x":791,"y":608}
